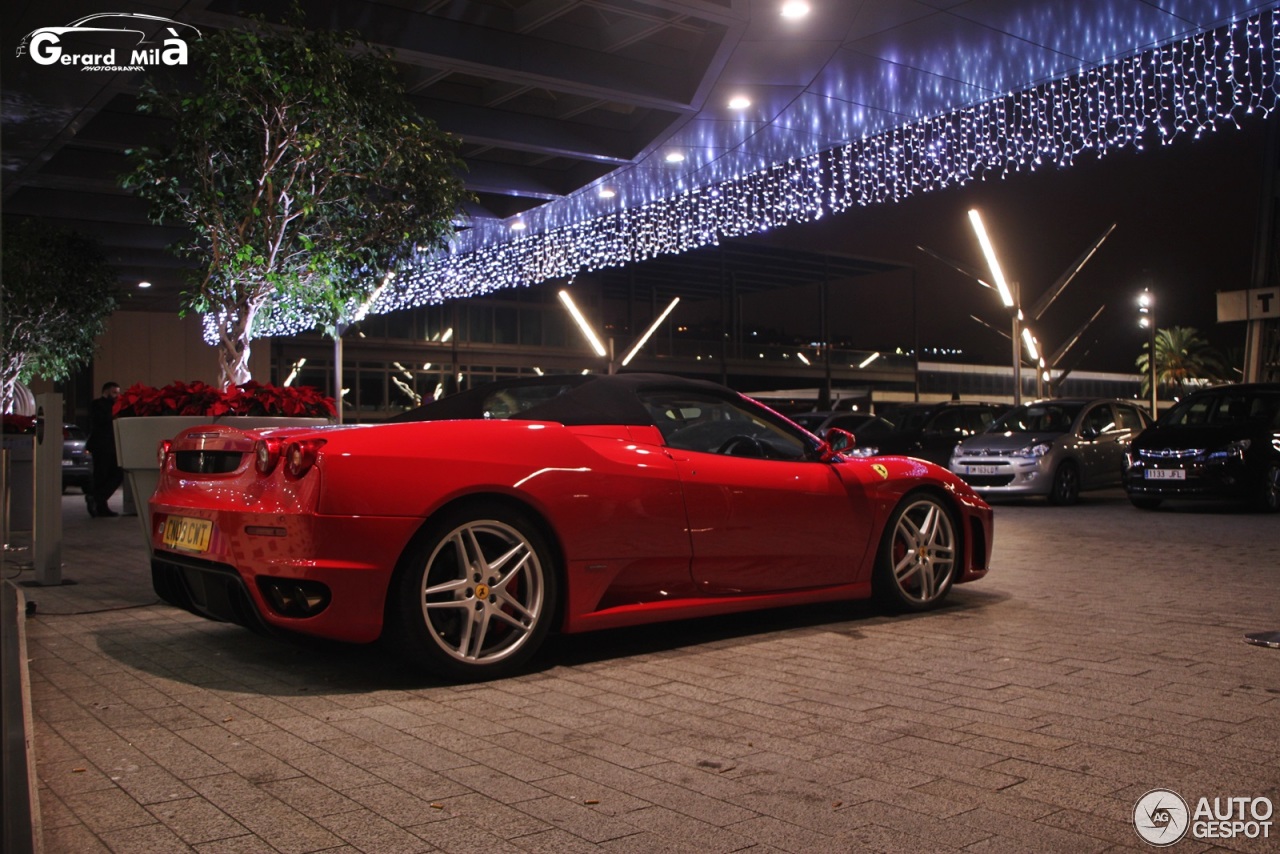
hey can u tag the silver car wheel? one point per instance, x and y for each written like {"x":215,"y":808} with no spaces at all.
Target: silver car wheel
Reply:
{"x":483,"y":593}
{"x":922,"y":552}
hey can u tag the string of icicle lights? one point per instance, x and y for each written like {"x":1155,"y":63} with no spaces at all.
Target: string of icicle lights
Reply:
{"x":1186,"y":88}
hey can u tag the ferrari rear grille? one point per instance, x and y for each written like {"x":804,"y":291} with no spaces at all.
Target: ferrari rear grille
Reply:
{"x":208,"y":462}
{"x":203,"y":587}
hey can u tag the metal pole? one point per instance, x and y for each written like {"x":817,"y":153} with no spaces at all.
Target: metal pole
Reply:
{"x":337,"y":368}
{"x":47,"y":536}
{"x":915,"y":338}
{"x":1017,"y":344}
{"x":1151,"y":360}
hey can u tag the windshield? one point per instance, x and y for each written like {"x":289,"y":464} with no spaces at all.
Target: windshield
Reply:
{"x":810,"y":420}
{"x":1225,"y":407}
{"x":911,"y":419}
{"x":1038,"y":418}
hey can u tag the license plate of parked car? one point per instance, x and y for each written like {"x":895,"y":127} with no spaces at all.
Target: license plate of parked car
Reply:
{"x":982,"y":469}
{"x":1165,"y":474}
{"x":189,"y":535}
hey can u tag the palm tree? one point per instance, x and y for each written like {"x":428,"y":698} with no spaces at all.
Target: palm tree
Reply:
{"x":1182,"y":357}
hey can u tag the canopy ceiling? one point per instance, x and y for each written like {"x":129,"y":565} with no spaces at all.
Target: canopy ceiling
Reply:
{"x":557,"y":99}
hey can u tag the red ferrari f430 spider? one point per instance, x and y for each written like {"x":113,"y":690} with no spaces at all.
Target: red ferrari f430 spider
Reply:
{"x":468,"y":529}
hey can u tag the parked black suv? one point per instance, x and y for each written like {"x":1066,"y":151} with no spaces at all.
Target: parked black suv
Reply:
{"x":1221,"y":442}
{"x":930,"y":431}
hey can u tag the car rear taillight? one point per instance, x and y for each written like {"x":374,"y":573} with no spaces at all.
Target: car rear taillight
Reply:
{"x":162,"y":451}
{"x":266,"y":454}
{"x":300,"y":456}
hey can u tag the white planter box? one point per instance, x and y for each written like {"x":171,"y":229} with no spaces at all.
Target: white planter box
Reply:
{"x":19,"y":498}
{"x":138,"y":440}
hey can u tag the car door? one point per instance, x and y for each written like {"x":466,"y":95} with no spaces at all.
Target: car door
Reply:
{"x":1130,"y":421}
{"x":763,"y":514}
{"x":1102,"y":445}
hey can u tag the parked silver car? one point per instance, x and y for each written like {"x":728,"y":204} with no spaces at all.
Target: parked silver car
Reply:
{"x":77,"y":463}
{"x":1054,"y":448}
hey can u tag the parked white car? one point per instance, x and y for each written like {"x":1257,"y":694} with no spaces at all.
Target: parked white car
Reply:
{"x":1055,"y":448}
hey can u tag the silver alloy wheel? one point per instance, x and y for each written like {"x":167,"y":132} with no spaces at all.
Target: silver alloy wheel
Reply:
{"x":483,"y":592}
{"x":922,"y":552}
{"x":1065,"y":489}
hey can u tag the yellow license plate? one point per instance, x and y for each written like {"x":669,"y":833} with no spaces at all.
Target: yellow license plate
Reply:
{"x":188,"y":535}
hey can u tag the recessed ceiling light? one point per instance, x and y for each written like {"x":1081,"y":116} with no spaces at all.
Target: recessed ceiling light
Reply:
{"x":739,"y":102}
{"x":795,"y":9}
{"x":607,"y":192}
{"x":144,"y":284}
{"x":675,"y":157}
{"x":518,"y":225}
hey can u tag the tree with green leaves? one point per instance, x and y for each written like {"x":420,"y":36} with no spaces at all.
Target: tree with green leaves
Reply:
{"x":55,"y":296}
{"x":1182,"y":357}
{"x":304,"y":175}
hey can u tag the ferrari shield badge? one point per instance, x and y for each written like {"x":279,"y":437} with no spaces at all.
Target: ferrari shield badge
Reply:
{"x":880,"y":470}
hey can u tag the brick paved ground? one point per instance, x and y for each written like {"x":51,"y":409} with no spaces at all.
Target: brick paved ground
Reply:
{"x":1102,"y":657}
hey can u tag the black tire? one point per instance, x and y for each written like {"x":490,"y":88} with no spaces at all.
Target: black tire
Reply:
{"x":1065,"y":490}
{"x":1268,"y":499}
{"x":919,"y":554}
{"x":1144,"y":503}
{"x":478,"y":568}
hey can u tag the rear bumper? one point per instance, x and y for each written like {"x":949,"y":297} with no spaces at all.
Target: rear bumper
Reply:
{"x":207,"y":589}
{"x":316,"y":575}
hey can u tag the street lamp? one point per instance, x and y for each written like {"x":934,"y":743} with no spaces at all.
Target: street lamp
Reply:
{"x":1147,"y":320}
{"x":1010,"y":301}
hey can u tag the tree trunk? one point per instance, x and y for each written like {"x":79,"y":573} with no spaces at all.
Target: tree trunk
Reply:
{"x":6,"y":393}
{"x":233,"y":350}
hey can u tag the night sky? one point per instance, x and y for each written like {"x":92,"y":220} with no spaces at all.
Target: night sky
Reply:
{"x":1186,"y":217}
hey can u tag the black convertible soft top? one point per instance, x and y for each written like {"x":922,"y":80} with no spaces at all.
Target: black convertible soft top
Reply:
{"x":570,"y":399}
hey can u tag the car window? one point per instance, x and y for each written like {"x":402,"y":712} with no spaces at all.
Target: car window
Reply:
{"x":911,"y":419}
{"x":810,"y":421}
{"x":1130,"y":418}
{"x":509,"y":402}
{"x":1038,"y":418}
{"x":975,"y":419}
{"x":711,"y":425}
{"x":1099,"y":419}
{"x":1227,"y":407}
{"x":949,"y":421}
{"x":874,"y":429}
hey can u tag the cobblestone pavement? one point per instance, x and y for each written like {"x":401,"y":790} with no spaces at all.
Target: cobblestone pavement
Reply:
{"x":1102,"y":657}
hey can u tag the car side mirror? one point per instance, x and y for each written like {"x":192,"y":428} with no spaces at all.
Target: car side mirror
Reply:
{"x":838,"y":441}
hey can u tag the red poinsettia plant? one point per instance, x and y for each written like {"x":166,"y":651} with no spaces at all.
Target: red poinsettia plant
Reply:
{"x":200,"y":398}
{"x":19,"y":423}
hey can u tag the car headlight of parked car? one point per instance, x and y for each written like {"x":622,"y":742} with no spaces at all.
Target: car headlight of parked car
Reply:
{"x":1032,"y":452}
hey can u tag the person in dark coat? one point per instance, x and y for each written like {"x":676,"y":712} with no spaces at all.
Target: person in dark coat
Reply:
{"x":107,"y":474}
